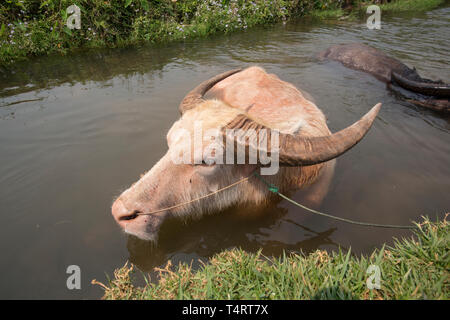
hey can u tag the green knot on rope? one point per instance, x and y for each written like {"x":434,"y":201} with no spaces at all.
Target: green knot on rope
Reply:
{"x":272,"y":188}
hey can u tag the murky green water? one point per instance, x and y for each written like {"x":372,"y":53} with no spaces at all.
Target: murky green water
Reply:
{"x":75,"y":131}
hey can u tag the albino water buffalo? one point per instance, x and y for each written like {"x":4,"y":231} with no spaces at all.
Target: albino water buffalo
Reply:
{"x":243,"y":99}
{"x":399,"y":77}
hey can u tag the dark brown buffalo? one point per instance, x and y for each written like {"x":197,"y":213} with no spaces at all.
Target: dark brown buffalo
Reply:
{"x":399,"y":77}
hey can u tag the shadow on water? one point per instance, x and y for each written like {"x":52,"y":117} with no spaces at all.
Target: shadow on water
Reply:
{"x":102,"y":65}
{"x":95,"y":65}
{"x":243,"y":228}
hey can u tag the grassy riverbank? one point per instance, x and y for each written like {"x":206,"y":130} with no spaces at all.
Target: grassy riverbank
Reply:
{"x":31,"y":28}
{"x":356,"y":9}
{"x":410,"y":5}
{"x":414,"y":268}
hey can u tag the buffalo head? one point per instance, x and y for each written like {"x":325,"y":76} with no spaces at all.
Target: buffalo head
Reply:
{"x":186,"y":171}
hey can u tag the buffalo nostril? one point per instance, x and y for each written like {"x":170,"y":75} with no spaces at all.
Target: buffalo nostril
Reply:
{"x":130,"y":216}
{"x":122,"y":214}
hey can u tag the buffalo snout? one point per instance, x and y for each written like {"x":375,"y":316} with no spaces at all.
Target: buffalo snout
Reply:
{"x":122,"y":214}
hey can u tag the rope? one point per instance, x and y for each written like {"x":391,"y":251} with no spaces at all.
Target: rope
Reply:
{"x":197,"y":199}
{"x":274,"y":189}
{"x":346,"y":220}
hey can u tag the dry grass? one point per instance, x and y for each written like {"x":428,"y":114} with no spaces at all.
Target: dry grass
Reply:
{"x":414,"y":268}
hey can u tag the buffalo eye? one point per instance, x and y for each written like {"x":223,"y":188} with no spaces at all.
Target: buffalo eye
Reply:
{"x":208,"y":162}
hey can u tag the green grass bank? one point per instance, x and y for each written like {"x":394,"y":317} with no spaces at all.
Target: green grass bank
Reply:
{"x":32,"y":28}
{"x":413,"y":268}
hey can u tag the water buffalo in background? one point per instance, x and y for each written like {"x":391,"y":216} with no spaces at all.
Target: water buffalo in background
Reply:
{"x":243,"y":99}
{"x":399,"y":77}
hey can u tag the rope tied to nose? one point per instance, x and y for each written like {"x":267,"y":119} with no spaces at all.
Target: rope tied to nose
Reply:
{"x":274,"y":189}
{"x":199,"y":198}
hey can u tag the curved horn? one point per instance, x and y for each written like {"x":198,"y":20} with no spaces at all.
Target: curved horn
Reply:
{"x":193,"y":98}
{"x":302,"y":151}
{"x":428,"y":88}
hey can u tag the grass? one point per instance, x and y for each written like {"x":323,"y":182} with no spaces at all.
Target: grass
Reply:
{"x":31,"y":28}
{"x":328,"y":14}
{"x":410,"y":5}
{"x":358,"y":8}
{"x":414,"y":268}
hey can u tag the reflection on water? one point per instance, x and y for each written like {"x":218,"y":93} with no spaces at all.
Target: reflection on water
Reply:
{"x":238,"y":228}
{"x":75,"y":131}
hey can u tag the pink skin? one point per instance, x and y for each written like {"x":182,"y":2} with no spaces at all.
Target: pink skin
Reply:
{"x":162,"y":187}
{"x":277,"y":103}
{"x":155,"y":190}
